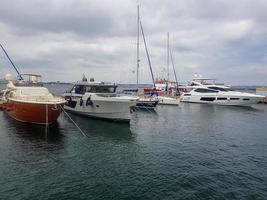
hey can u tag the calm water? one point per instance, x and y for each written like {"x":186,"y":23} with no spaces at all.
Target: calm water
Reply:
{"x":188,"y":152}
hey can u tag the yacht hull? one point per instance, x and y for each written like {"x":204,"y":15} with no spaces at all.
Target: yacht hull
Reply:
{"x":36,"y":113}
{"x":115,"y":110}
{"x":222,"y":100}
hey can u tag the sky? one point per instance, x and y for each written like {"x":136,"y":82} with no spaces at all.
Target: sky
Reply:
{"x":64,"y":39}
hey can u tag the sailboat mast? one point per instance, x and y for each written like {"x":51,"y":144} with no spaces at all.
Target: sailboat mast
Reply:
{"x":148,"y":57}
{"x":11,"y":61}
{"x":137,"y":49}
{"x":168,"y":57}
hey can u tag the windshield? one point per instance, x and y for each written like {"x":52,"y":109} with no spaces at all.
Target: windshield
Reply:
{"x":81,"y":89}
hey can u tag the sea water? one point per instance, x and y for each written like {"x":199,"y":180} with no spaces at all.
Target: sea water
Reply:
{"x":190,"y":151}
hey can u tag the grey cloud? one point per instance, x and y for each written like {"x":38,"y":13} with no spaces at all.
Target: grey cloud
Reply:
{"x":90,"y":18}
{"x":63,"y":39}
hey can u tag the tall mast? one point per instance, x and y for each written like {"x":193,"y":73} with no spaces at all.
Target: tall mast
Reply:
{"x":137,"y":49}
{"x":168,"y":56}
{"x":11,"y":62}
{"x":147,"y":54}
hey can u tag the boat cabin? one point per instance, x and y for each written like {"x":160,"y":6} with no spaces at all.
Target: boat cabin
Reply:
{"x":96,"y":87}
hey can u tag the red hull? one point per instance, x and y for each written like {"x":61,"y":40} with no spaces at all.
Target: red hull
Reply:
{"x":33,"y":112}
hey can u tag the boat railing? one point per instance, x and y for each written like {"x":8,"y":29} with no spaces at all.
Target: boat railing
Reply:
{"x":39,"y":98}
{"x":28,"y":84}
{"x":107,"y":95}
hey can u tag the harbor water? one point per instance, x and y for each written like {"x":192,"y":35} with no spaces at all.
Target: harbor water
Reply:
{"x":190,"y":151}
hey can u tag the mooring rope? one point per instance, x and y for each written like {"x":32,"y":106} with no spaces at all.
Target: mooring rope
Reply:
{"x":46,"y":119}
{"x":73,"y":122}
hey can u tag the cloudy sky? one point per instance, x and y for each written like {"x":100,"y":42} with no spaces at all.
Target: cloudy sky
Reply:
{"x":63,"y":39}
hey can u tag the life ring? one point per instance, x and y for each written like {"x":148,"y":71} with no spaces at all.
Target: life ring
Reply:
{"x":89,"y":101}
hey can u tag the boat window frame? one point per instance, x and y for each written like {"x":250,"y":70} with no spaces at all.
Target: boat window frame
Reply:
{"x":218,"y":88}
{"x":222,"y":99}
{"x":205,"y":90}
{"x":234,"y":98}
{"x":207,"y":99}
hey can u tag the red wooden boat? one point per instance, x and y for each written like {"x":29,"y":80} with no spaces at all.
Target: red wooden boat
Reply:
{"x":31,"y":102}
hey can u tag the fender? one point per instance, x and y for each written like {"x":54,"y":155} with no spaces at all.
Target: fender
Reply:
{"x":81,"y":101}
{"x":89,"y":101}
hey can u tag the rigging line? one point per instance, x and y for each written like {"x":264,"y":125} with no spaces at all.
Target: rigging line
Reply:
{"x":168,"y":57}
{"x":73,"y":122}
{"x":11,"y":61}
{"x":177,"y":85}
{"x":137,"y":48}
{"x":149,"y":62}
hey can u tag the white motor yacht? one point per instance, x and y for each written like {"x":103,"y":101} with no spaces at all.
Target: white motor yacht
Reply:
{"x":99,"y":100}
{"x":219,"y":95}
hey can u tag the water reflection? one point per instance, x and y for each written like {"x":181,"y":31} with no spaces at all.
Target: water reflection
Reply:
{"x":217,"y":108}
{"x":33,"y":132}
{"x":101,"y":128}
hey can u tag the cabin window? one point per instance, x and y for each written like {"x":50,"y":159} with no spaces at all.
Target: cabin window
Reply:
{"x":221,"y":98}
{"x":194,"y":84}
{"x":246,"y":99}
{"x":207,"y":98}
{"x":233,"y":98}
{"x":218,"y":88}
{"x":203,"y":90}
{"x":106,"y":89}
{"x":78,"y":89}
{"x":101,"y":89}
{"x":90,"y":89}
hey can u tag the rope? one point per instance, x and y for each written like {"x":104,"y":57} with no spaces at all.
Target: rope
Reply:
{"x":46,"y":119}
{"x":73,"y":122}
{"x":11,"y":62}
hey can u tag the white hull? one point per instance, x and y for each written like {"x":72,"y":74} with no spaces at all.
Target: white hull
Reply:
{"x":121,"y":117}
{"x":168,"y":100}
{"x":238,"y":99}
{"x":111,"y":108}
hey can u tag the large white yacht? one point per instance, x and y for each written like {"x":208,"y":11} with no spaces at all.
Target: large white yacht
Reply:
{"x":200,"y":92}
{"x":99,"y":100}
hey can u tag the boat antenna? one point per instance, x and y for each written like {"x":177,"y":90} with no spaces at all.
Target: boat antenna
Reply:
{"x":149,"y":62}
{"x":137,"y":49}
{"x":177,"y":85}
{"x":11,"y":62}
